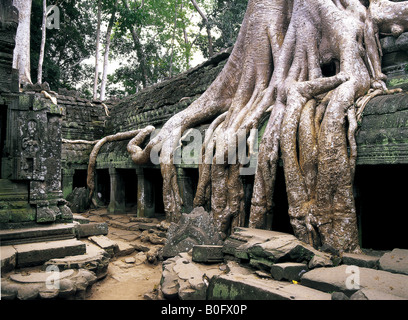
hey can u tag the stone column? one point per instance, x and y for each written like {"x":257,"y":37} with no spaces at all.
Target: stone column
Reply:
{"x":145,"y":195}
{"x":117,"y":193}
{"x":187,"y":191}
{"x":67,"y":182}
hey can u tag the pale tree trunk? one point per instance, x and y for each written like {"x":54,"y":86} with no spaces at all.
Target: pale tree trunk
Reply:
{"x":21,"y":55}
{"x":138,"y":46}
{"x":205,"y":19}
{"x":186,"y":43}
{"x":172,"y":40}
{"x":98,"y":35}
{"x":43,"y":39}
{"x":106,"y":56}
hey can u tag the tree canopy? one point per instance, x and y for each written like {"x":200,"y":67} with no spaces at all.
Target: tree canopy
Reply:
{"x":149,"y":41}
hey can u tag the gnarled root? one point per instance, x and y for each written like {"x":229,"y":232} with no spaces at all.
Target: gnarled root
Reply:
{"x":275,"y":69}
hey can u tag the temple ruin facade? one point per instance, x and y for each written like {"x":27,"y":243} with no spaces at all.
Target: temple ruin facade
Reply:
{"x":42,"y":169}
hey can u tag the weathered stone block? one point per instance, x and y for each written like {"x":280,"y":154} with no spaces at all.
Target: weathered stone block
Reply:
{"x":395,"y":261}
{"x":207,"y":253}
{"x":249,"y":287}
{"x":288,"y":271}
{"x":105,"y":243}
{"x":361,"y":260}
{"x":8,"y":258}
{"x":195,"y":228}
{"x":95,"y":259}
{"x":33,"y":254}
{"x":124,"y":248}
{"x":72,"y":284}
{"x":78,"y":200}
{"x":349,"y":279}
{"x":265,"y":248}
{"x":38,"y":233}
{"x":91,"y":229}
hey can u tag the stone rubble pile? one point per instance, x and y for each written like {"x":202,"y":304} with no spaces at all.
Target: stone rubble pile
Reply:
{"x":264,"y":265}
{"x":81,"y":259}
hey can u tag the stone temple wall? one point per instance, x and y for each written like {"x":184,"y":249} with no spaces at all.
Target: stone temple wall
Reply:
{"x":30,"y":143}
{"x":382,"y":137}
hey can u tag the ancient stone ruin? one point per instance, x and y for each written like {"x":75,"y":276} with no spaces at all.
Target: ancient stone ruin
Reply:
{"x":47,"y":137}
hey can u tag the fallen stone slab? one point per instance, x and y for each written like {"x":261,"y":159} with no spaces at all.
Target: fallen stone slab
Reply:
{"x":395,"y":261}
{"x":95,"y":259}
{"x":288,"y":271}
{"x":250,"y":287}
{"x":361,"y":260}
{"x":67,"y":284}
{"x":124,"y":248}
{"x":8,"y":258}
{"x":33,"y":254}
{"x":186,"y":280}
{"x":152,"y":237}
{"x":106,"y":244}
{"x":146,"y":225}
{"x":57,"y":231}
{"x":371,"y":294}
{"x":92,"y":229}
{"x":349,"y":279}
{"x":264,"y":248}
{"x":80,"y":219}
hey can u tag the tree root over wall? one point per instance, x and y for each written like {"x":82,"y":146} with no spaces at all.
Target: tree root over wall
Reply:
{"x":275,"y":73}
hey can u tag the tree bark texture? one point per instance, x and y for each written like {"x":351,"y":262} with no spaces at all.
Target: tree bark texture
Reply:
{"x":43,"y":39}
{"x":97,"y":45}
{"x":107,"y":50}
{"x":21,"y":55}
{"x":274,"y":74}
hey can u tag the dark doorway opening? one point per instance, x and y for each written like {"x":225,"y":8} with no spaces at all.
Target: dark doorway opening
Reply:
{"x":79,"y":179}
{"x":280,"y":215}
{"x":155,"y":179}
{"x":193,"y":174}
{"x":130,"y":184}
{"x":248,"y":182}
{"x":381,"y":196}
{"x":103,"y":186}
{"x":190,"y":184}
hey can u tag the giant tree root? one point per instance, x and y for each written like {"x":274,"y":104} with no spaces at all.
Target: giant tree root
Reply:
{"x":275,"y":71}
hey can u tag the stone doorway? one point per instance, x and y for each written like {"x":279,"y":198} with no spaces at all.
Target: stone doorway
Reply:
{"x":130,"y":184}
{"x":103,"y":186}
{"x":79,"y":179}
{"x":154,"y":192}
{"x":381,"y":204}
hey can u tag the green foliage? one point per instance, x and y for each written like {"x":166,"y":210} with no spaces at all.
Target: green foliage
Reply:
{"x":153,"y":40}
{"x":67,"y":47}
{"x":227,"y":17}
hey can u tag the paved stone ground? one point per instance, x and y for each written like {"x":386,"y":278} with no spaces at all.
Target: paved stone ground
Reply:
{"x":126,"y":264}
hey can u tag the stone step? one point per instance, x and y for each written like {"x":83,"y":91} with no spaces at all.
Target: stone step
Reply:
{"x":106,"y":244}
{"x":60,"y":231}
{"x":34,"y":254}
{"x":95,"y":259}
{"x":67,"y":284}
{"x":91,"y":229}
